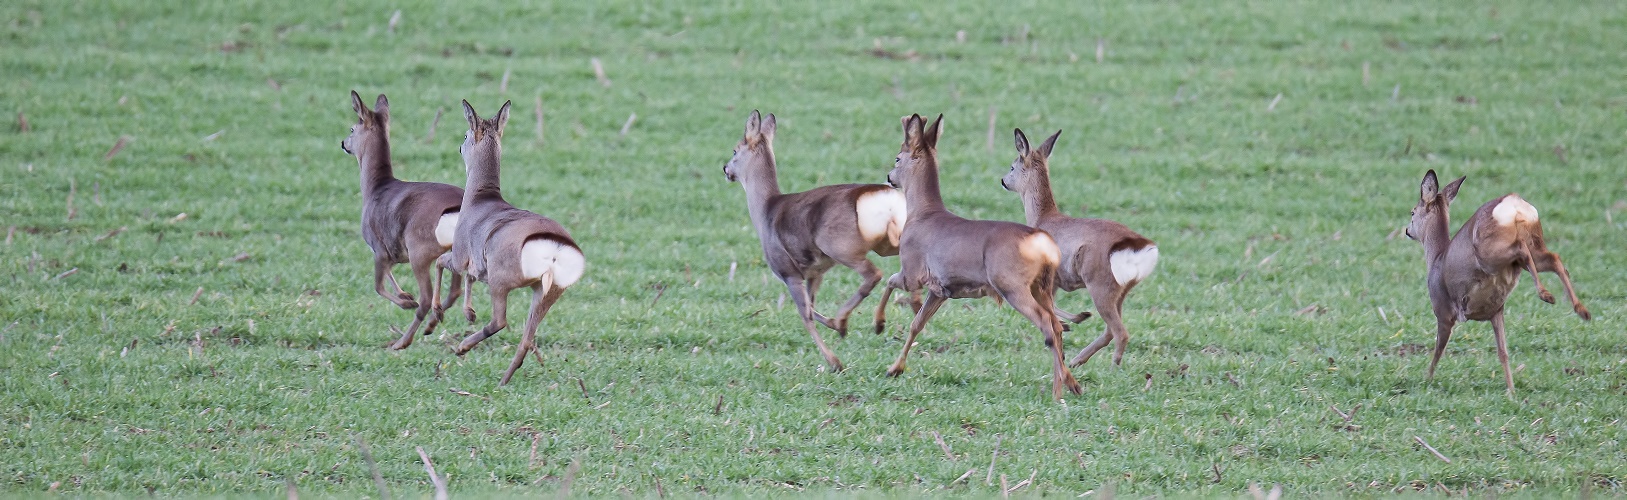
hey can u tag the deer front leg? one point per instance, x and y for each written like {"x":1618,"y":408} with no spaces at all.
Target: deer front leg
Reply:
{"x":1443,"y":331}
{"x":1502,"y":350}
{"x":872,"y":277}
{"x":927,"y":310}
{"x":499,"y":321}
{"x":381,"y":270}
{"x":542,"y":299}
{"x":799,"y":294}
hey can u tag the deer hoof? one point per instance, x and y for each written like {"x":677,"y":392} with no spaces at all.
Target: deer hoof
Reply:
{"x":1546,"y":297}
{"x":1582,"y":311}
{"x":881,"y":326}
{"x":409,"y":304}
{"x":895,"y":371}
{"x":470,"y":315}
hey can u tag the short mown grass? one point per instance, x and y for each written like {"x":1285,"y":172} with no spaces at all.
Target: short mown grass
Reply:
{"x":192,"y":314}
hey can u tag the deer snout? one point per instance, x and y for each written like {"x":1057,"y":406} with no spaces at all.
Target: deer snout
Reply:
{"x":726,"y":174}
{"x":345,"y":147}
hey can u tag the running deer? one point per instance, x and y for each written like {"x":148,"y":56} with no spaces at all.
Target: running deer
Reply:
{"x":952,"y":257}
{"x":505,"y":247}
{"x":403,"y":222}
{"x":1104,"y":257}
{"x":1472,"y":273}
{"x":805,"y":234}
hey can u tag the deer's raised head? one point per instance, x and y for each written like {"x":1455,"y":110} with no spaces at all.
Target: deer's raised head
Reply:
{"x":755,"y":148}
{"x":483,"y":134}
{"x":372,"y":125}
{"x":919,"y":150}
{"x":1429,"y":216}
{"x":1031,"y":164}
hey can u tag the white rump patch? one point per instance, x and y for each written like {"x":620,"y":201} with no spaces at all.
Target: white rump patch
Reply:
{"x":881,"y":215}
{"x":540,"y":256}
{"x":1513,"y":209}
{"x":447,"y":227}
{"x":1133,"y":265}
{"x":1042,"y":246}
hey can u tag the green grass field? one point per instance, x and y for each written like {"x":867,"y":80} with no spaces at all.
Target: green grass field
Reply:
{"x":1272,"y":149}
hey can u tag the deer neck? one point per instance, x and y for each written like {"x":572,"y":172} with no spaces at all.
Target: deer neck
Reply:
{"x":923,"y":194}
{"x":1038,"y":200}
{"x":1436,"y":239}
{"x":375,"y":165}
{"x":762,"y":187}
{"x":484,"y":176}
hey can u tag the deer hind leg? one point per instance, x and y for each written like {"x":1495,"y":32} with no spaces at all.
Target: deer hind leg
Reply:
{"x":814,"y":278}
{"x":381,"y":272}
{"x":420,"y":271}
{"x":872,"y":277}
{"x":1103,"y":295}
{"x":1121,"y":335}
{"x":1502,"y":350}
{"x":1544,"y":260}
{"x":930,"y":307}
{"x":451,"y":299}
{"x":1443,"y":332}
{"x":1531,"y":265}
{"x":543,"y":296}
{"x":468,"y":298}
{"x":804,"y":301}
{"x":499,"y":321}
{"x":1042,"y":317}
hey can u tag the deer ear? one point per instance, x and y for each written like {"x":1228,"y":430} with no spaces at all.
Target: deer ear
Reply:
{"x":382,"y":106}
{"x":469,"y":114}
{"x":766,"y":128}
{"x":1451,"y":190}
{"x":1430,"y":187}
{"x":1022,"y":141}
{"x":1050,"y":142}
{"x":912,"y":129}
{"x":357,"y":105}
{"x":933,"y":132}
{"x":502,"y":117}
{"x":753,"y":122}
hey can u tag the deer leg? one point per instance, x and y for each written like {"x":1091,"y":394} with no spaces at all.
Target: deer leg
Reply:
{"x":1502,"y":350}
{"x":927,"y":310}
{"x":381,"y":270}
{"x":438,"y":313}
{"x":1549,"y":261}
{"x":420,"y":270}
{"x":1046,"y":321}
{"x":1121,"y":335}
{"x":468,"y":297}
{"x":813,"y":279}
{"x":872,"y":277}
{"x":1531,"y":265}
{"x":1103,"y":297}
{"x":799,"y":294}
{"x":1443,"y":331}
{"x":499,"y":321}
{"x":397,"y":287}
{"x":881,"y":309}
{"x":543,"y":296}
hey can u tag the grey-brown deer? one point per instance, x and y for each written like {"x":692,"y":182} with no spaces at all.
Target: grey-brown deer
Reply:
{"x":952,"y":257}
{"x":1104,"y":257}
{"x":1472,"y":273}
{"x":506,"y":247}
{"x":403,"y":222}
{"x":805,"y":234}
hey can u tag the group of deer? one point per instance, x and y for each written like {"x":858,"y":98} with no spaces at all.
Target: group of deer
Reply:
{"x":477,"y":236}
{"x":471,"y":232}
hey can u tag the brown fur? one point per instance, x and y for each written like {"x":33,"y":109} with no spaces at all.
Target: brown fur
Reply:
{"x":953,"y":257}
{"x":491,"y":234}
{"x":1472,"y":273}
{"x":399,"y":217}
{"x":1087,"y":246}
{"x":805,"y":234}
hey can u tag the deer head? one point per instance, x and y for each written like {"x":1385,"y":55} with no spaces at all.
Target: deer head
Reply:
{"x":1429,"y":217}
{"x":372,"y":127}
{"x":755,"y":148}
{"x":484,"y":135}
{"x":1031,"y":165}
{"x":917,"y":154}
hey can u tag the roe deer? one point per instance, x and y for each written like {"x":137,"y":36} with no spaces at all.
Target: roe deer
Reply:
{"x":1472,"y":273}
{"x":952,"y":257}
{"x":804,"y":234}
{"x":506,"y":247}
{"x":1104,"y":257}
{"x":403,"y":222}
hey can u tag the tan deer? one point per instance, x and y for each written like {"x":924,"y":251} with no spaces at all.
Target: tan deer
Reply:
{"x":1472,"y":273}
{"x":805,"y":234}
{"x":403,"y":222}
{"x":1104,"y":257}
{"x":505,"y":247}
{"x":951,"y":257}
